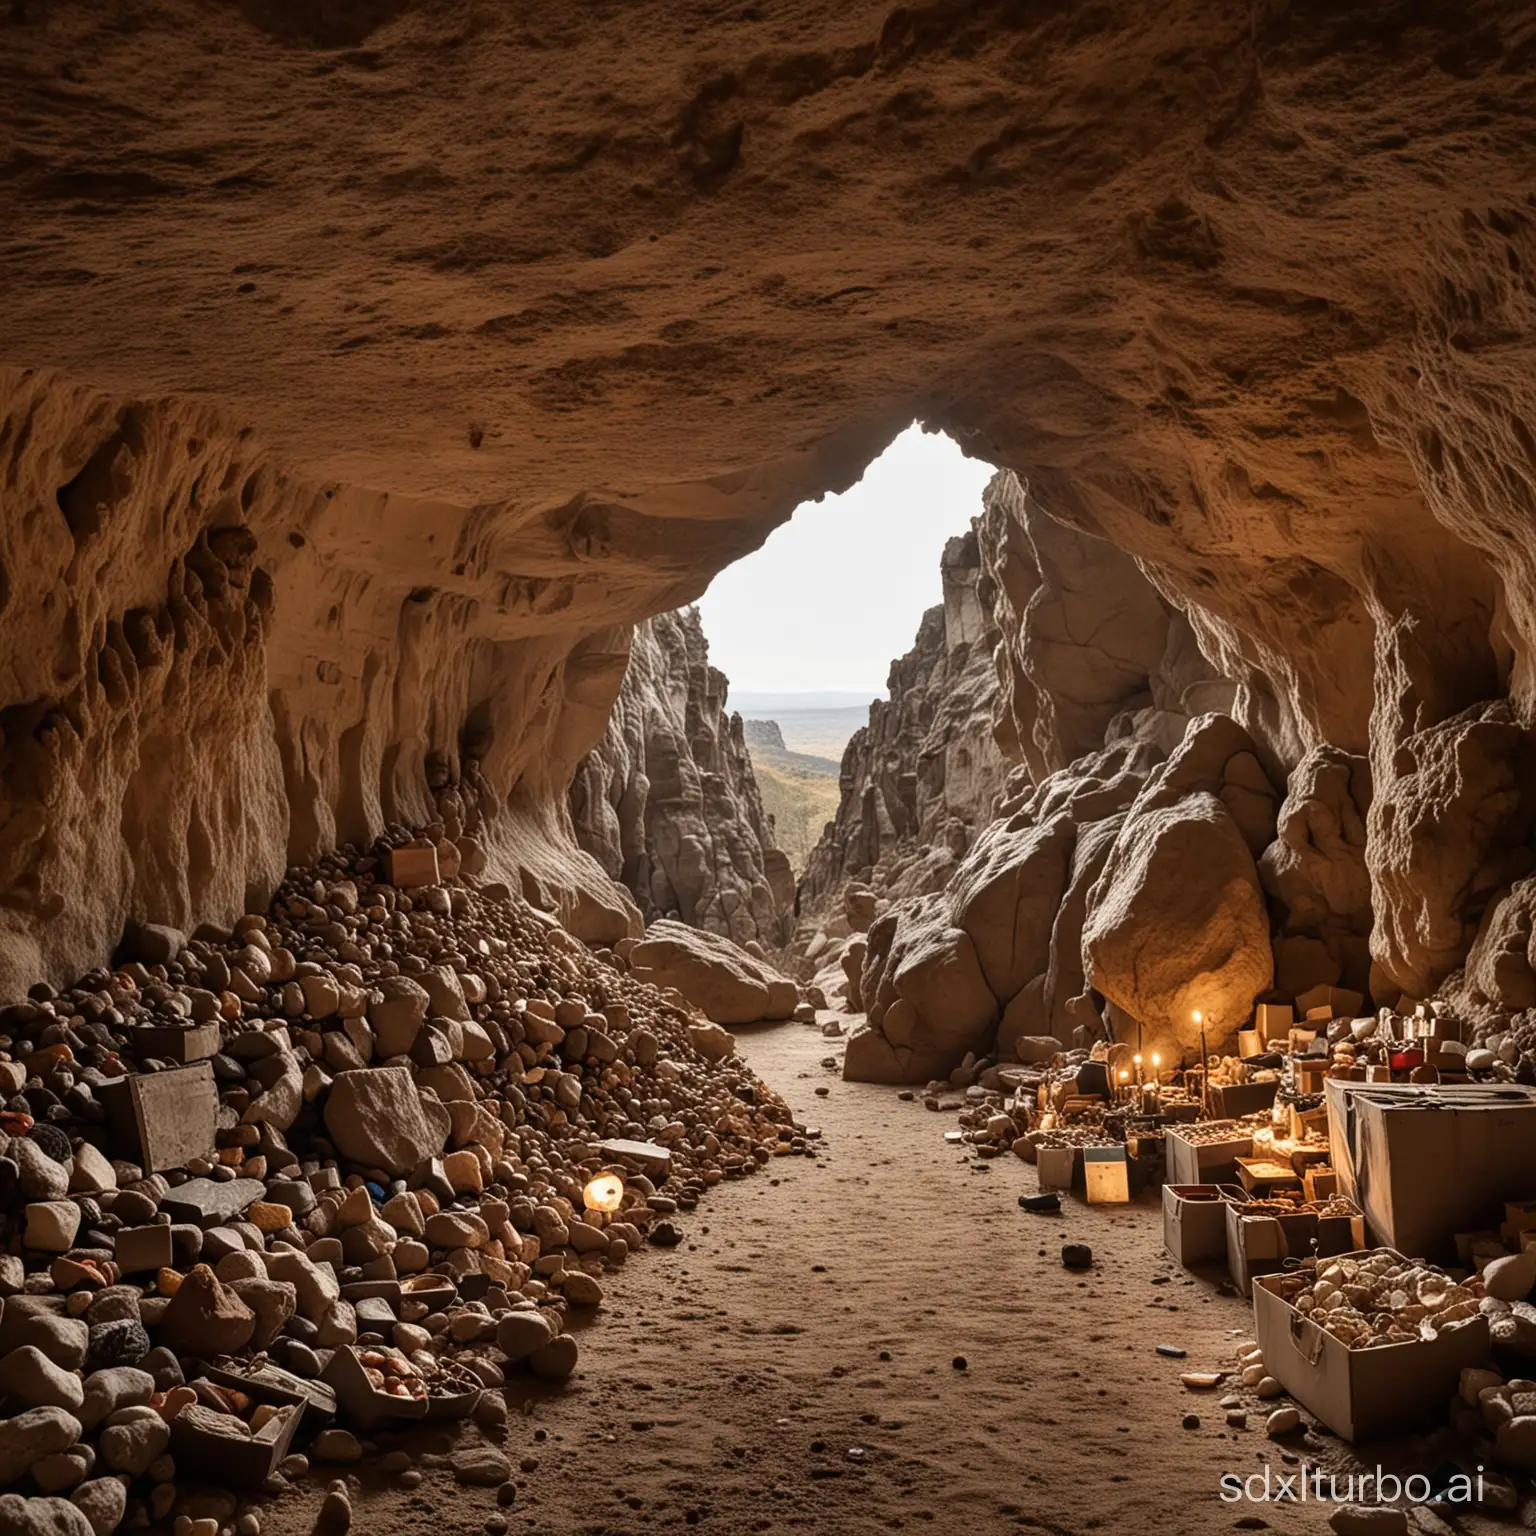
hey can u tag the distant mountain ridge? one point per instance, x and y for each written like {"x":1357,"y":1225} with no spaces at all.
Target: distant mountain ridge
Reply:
{"x":770,"y":706}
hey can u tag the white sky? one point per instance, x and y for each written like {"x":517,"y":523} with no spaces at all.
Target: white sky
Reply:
{"x":836,"y":593}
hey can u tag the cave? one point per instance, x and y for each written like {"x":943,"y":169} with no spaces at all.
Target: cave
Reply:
{"x":432,"y":1094}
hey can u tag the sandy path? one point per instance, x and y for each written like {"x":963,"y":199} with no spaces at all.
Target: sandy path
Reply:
{"x":815,"y":1312}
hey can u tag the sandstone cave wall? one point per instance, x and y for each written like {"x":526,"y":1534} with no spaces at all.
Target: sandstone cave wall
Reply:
{"x":667,"y":802}
{"x":214,"y":669}
{"x":1246,"y":293}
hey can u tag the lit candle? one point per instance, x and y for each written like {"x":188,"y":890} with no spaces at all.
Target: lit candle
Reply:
{"x":1157,"y":1061}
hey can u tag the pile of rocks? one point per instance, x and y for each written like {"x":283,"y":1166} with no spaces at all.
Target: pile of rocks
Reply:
{"x":342,"y":1164}
{"x":1378,"y":1299}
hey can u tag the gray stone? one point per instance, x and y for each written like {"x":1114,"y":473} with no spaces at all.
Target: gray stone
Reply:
{"x":32,"y":1435}
{"x":30,"y":1378}
{"x":32,"y":1320}
{"x":118,"y":1386}
{"x":379,"y":1119}
{"x":130,"y":1447}
{"x":211,"y":1203}
{"x":51,"y":1225}
{"x":42,"y":1517}
{"x":103,"y":1501}
{"x":40,"y":1177}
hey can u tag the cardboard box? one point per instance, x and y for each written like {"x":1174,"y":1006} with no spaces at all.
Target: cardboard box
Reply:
{"x":1266,"y":1172}
{"x":1341,"y":1002}
{"x":1261,"y":1245}
{"x":1322,"y":1183}
{"x":1106,"y":1177}
{"x":1216,"y":1163}
{"x":1195,"y":1220}
{"x":1311,"y":1073}
{"x":1361,"y":1393}
{"x":1273,"y":1020}
{"x":413,"y":866}
{"x":1056,"y":1167}
{"x":1235,"y":1099}
{"x":1249,"y":1043}
{"x":1426,"y":1161}
{"x":1308,"y":1122}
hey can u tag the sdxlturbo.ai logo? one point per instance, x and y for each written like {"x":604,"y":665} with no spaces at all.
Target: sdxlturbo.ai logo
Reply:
{"x":1311,"y":1485}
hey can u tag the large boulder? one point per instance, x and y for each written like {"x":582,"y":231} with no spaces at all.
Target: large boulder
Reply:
{"x":1315,"y":876}
{"x":1176,"y":922}
{"x":720,"y":979}
{"x":1449,"y":825}
{"x":379,"y":1119}
{"x":1006,"y":894}
{"x":397,"y":1012}
{"x":1065,"y":998}
{"x":927,"y":999}
{"x":1501,"y":968}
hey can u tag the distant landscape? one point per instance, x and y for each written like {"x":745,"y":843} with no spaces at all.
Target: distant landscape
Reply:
{"x":819,"y":724}
{"x":797,"y":743}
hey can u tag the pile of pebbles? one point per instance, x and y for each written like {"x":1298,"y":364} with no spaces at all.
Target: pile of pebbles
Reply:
{"x":412,"y":1092}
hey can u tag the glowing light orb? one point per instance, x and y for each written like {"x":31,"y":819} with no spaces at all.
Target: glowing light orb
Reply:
{"x":604,"y":1193}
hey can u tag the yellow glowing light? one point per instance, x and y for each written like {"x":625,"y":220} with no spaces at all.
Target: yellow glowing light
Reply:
{"x":1137,"y":1058}
{"x":1157,"y":1060}
{"x":1125,"y":1077}
{"x":1197,"y":1015}
{"x":604,"y":1193}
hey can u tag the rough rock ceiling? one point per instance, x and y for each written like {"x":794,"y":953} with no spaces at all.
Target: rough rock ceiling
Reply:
{"x":603,"y":291}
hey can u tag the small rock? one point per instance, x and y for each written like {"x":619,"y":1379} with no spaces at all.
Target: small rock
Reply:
{"x":481,"y":1466}
{"x":336,"y":1511}
{"x":51,"y":1224}
{"x":42,"y":1517}
{"x":1368,"y":1520}
{"x":556,"y":1360}
{"x":520,"y":1333}
{"x":205,"y":1317}
{"x":338,"y":1445}
{"x":32,"y":1435}
{"x":1511,"y":1277}
{"x":103,"y":1502}
{"x":1076,"y":1255}
{"x":29,"y":1378}
{"x":1283,"y":1421}
{"x":131,"y":1447}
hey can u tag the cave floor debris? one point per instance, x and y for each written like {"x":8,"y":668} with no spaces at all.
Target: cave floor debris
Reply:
{"x":792,"y":1366}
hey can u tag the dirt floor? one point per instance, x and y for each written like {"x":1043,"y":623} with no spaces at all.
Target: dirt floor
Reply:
{"x":797,"y":1363}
